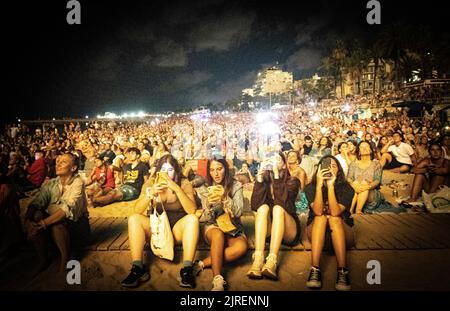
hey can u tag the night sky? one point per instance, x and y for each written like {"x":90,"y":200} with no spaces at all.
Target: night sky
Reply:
{"x":161,"y":56}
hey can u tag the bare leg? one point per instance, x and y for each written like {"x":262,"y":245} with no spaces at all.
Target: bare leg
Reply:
{"x":417,"y":186}
{"x":236,"y":248}
{"x":186,"y":231}
{"x":352,"y":207}
{"x":385,"y":159}
{"x":362,"y":199}
{"x":338,"y":238}
{"x":401,"y":169}
{"x":108,"y":198}
{"x":436,"y":181}
{"x":261,"y":225}
{"x":277,"y":232}
{"x":61,"y":236}
{"x":217,"y":239}
{"x":138,"y":231}
{"x":317,"y":239}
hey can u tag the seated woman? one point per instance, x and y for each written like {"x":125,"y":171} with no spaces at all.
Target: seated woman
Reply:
{"x":293,"y":164}
{"x":342,"y":156}
{"x":364,"y":175}
{"x":177,"y":197}
{"x":382,"y":142}
{"x":330,"y":196}
{"x":351,"y":145}
{"x":421,"y":148}
{"x":273,"y":200}
{"x":102,"y":181}
{"x":244,"y":176}
{"x":430,"y":173}
{"x":324,"y":148}
{"x":227,"y":244}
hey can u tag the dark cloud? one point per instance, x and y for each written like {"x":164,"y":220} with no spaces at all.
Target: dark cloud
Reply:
{"x":222,"y":91}
{"x":167,"y":54}
{"x":305,"y":59}
{"x":223,"y":32}
{"x":106,"y":66}
{"x":183,"y":81}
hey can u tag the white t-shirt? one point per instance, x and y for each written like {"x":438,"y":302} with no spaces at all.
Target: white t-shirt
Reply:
{"x":343,"y":163}
{"x":402,"y":153}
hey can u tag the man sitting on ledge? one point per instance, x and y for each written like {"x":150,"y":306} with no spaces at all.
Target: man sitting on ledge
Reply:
{"x":59,"y":212}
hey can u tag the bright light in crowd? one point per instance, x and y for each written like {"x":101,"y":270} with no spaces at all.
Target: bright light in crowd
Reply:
{"x":346,"y":107}
{"x":99,"y":116}
{"x":87,"y":117}
{"x":270,"y":128}
{"x":53,"y":119}
{"x":262,"y":116}
{"x":21,"y":121}
{"x":315,"y":118}
{"x":312,"y":103}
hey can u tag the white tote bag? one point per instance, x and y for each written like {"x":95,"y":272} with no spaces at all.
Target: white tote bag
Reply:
{"x":161,"y":241}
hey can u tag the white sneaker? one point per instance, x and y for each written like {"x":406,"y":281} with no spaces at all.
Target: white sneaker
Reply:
{"x":270,"y":268}
{"x":198,"y":267}
{"x":255,"y":270}
{"x":218,"y":284}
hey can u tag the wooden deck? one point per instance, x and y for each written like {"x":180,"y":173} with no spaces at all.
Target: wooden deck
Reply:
{"x":373,"y":232}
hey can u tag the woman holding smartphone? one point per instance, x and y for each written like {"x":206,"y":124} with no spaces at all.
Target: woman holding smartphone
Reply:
{"x":330,"y":197}
{"x":175,"y":193}
{"x":273,"y":200}
{"x":223,"y":203}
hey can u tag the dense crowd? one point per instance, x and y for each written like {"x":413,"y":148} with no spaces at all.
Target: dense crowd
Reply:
{"x":325,"y":159}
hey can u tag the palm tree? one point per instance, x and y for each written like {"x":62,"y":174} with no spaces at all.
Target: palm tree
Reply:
{"x":392,"y":43}
{"x":333,"y":64}
{"x":356,"y":62}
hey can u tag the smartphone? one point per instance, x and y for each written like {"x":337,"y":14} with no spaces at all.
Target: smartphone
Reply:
{"x":160,"y":179}
{"x":326,"y":164}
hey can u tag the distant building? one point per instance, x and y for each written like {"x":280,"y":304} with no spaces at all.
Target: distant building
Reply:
{"x":272,"y":85}
{"x":363,"y":84}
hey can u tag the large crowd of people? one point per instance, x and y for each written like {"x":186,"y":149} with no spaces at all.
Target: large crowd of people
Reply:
{"x":326,"y":159}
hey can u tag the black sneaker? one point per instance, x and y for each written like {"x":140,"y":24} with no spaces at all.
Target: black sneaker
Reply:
{"x":315,"y":278}
{"x":136,"y":276}
{"x":343,"y":280}
{"x":187,"y":278}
